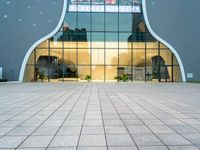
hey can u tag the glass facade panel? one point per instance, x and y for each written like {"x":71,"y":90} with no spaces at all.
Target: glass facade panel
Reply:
{"x":111,"y":22}
{"x":111,"y":73}
{"x":97,"y":21}
{"x":123,"y":40}
{"x":71,"y":20}
{"x":84,"y":56}
{"x":111,"y":40}
{"x":56,"y":40}
{"x":98,"y":73}
{"x":105,"y":43}
{"x":43,"y":44}
{"x":167,"y":56}
{"x":98,"y":56}
{"x":152,"y":45}
{"x":125,"y":56}
{"x":83,"y":71}
{"x":124,"y":22}
{"x":70,"y":56}
{"x":112,"y":57}
{"x":31,"y":59}
{"x":29,"y":73}
{"x":84,"y":21}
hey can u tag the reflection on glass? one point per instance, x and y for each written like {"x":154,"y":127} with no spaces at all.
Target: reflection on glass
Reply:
{"x":29,"y":73}
{"x":98,"y":56}
{"x":84,"y":56}
{"x":111,"y":22}
{"x":84,"y":21}
{"x":125,"y":57}
{"x":111,"y":73}
{"x":98,"y":73}
{"x":152,"y":45}
{"x":124,"y":22}
{"x":123,"y":40}
{"x":71,"y":20}
{"x":167,"y":56}
{"x":97,"y":22}
{"x":111,"y":57}
{"x":111,"y":40}
{"x":83,"y":71}
{"x":91,"y":43}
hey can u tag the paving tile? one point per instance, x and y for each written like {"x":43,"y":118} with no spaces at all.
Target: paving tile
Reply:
{"x":123,"y":148}
{"x":73,"y":122}
{"x":119,"y":140}
{"x":92,"y":140}
{"x":69,"y":131}
{"x":5,"y":130}
{"x":135,"y":122}
{"x":116,"y":122}
{"x":11,"y":141}
{"x":170,"y":115}
{"x":37,"y":141}
{"x":111,"y":116}
{"x":20,"y":131}
{"x":115,"y":130}
{"x":92,"y":148}
{"x":173,"y":139}
{"x":61,"y":148}
{"x":138,"y":129}
{"x":32,"y":123}
{"x":52,"y":123}
{"x":184,"y":129}
{"x":65,"y":141}
{"x":93,"y":123}
{"x":183,"y":148}
{"x":194,"y":138}
{"x":154,"y":122}
{"x":31,"y":148}
{"x":46,"y":130}
{"x":146,"y":139}
{"x":93,"y":130}
{"x":191,"y":121}
{"x":161,"y":129}
{"x":153,"y":148}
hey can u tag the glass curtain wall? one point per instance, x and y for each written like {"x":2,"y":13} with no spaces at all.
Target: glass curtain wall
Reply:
{"x":108,"y":46}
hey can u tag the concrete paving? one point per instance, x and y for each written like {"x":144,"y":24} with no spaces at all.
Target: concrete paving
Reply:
{"x":100,"y":116}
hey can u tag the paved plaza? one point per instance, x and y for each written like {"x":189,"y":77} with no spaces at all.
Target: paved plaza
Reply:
{"x":100,"y":116}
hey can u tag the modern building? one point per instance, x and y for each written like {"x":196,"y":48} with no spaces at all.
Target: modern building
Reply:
{"x":107,"y":40}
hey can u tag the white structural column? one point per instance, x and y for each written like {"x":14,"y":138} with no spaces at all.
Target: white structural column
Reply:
{"x":25,"y":60}
{"x":162,"y":40}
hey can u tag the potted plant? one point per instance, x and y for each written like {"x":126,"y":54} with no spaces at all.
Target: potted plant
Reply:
{"x":124,"y":78}
{"x":118,"y":78}
{"x":88,"y":78}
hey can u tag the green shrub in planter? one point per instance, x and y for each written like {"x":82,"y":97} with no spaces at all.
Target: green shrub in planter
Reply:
{"x":118,"y":78}
{"x":88,"y":77}
{"x":124,"y":78}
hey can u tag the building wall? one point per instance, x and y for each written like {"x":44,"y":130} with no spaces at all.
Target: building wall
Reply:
{"x":22,"y":23}
{"x":176,"y":21}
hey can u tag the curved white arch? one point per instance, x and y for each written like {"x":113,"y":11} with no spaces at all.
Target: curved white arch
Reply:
{"x":22,"y":70}
{"x":162,"y":40}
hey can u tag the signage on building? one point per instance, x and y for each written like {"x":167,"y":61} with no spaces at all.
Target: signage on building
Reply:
{"x":190,"y":75}
{"x":1,"y":72}
{"x":105,"y":6}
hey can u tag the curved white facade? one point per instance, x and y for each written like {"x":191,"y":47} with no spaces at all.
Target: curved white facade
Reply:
{"x":25,"y":60}
{"x":162,"y":40}
{"x":22,"y":71}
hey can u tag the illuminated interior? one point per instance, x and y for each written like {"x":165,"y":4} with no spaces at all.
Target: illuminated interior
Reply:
{"x":106,"y":46}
